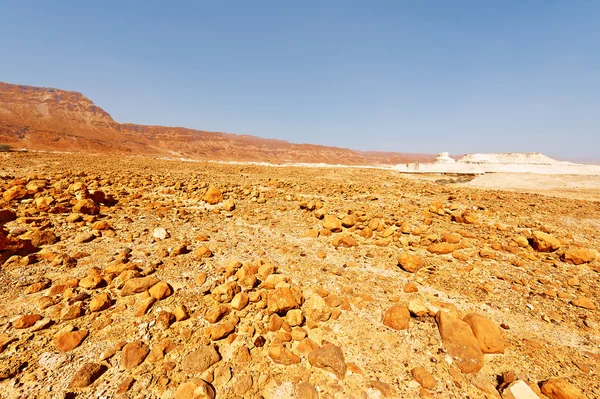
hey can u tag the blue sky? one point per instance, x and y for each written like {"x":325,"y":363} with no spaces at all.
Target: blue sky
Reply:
{"x":407,"y":76}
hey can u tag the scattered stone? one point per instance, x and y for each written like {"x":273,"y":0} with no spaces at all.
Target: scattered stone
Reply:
{"x":544,"y":242}
{"x":423,"y":377}
{"x":519,"y":390}
{"x":332,"y":223}
{"x":200,"y":360}
{"x":556,"y":388}
{"x":195,"y":389}
{"x":213,"y":195}
{"x":280,"y":300}
{"x":100,"y":302}
{"x":409,"y":262}
{"x":229,"y":205}
{"x":26,"y":321}
{"x":203,"y":252}
{"x":488,"y":334}
{"x":86,"y":375}
{"x":460,"y":342}
{"x":578,"y":256}
{"x":329,"y":357}
{"x":441,"y":248}
{"x":583,"y":302}
{"x":344,"y":240}
{"x":160,"y":233}
{"x":316,"y":309}
{"x":138,"y":285}
{"x":281,"y":355}
{"x":160,"y":290}
{"x":68,"y":341}
{"x":397,"y":317}
{"x":133,"y":354}
{"x":86,"y":207}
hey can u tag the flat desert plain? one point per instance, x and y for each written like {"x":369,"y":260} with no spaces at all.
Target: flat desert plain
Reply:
{"x":144,"y":278}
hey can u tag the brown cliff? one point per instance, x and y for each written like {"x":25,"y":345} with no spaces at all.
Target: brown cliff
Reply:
{"x":47,"y":119}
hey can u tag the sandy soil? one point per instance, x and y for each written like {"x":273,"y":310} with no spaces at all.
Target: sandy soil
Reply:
{"x":333,"y":236}
{"x":585,"y":187}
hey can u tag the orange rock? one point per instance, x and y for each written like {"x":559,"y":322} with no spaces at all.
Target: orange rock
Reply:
{"x":488,"y":334}
{"x":556,"y":388}
{"x":578,"y":256}
{"x":460,"y":342}
{"x":69,"y":340}
{"x":281,"y":355}
{"x":26,"y":321}
{"x":423,"y":377}
{"x":397,"y":317}
{"x":410,"y":262}
{"x":441,"y":248}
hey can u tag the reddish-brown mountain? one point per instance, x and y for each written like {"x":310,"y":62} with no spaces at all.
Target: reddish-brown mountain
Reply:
{"x":37,"y":118}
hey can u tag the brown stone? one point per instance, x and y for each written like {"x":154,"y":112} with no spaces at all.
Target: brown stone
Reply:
{"x":556,"y":388}
{"x":410,"y":262}
{"x":213,"y":195}
{"x":161,"y":290}
{"x":397,"y":317}
{"x":583,"y":302}
{"x":195,"y":389}
{"x":423,"y":377}
{"x":100,"y":302}
{"x":329,"y":357}
{"x":487,"y":332}
{"x":87,"y":207}
{"x":441,"y":248}
{"x":137,"y":285}
{"x":219,"y":331}
{"x":86,"y":375}
{"x":307,"y":391}
{"x":344,"y":240}
{"x":67,"y":341}
{"x":280,"y":300}
{"x":578,"y":256}
{"x":200,"y":360}
{"x":316,"y":309}
{"x":460,"y":342}
{"x":203,"y":252}
{"x":133,"y":354}
{"x":26,"y":321}
{"x":332,"y":223}
{"x":281,"y":355}
{"x":544,"y":242}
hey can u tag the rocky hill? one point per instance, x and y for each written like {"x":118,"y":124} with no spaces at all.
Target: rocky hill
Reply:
{"x":37,"y":118}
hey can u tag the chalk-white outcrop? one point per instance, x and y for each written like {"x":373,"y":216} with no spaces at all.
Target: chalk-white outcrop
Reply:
{"x":444,"y":157}
{"x":500,"y":163}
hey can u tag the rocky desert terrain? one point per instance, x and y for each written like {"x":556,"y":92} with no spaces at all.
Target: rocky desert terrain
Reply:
{"x":135,"y":277}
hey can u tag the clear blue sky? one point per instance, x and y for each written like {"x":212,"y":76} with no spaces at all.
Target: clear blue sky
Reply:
{"x":409,"y":76}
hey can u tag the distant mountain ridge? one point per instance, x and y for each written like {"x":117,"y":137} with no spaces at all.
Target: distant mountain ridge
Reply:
{"x":38,"y":118}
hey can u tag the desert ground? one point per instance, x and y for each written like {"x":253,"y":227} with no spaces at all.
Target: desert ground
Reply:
{"x":136,"y":277}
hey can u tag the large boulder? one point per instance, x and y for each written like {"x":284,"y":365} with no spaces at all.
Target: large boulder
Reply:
{"x":488,"y":334}
{"x":213,"y":195}
{"x":556,"y":388}
{"x":460,"y":342}
{"x":544,"y":242}
{"x":578,"y":256}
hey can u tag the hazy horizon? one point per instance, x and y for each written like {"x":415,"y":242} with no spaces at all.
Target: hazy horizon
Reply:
{"x":463,"y":77}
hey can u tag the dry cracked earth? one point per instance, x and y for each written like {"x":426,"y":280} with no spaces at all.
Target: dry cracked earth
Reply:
{"x":144,"y":278}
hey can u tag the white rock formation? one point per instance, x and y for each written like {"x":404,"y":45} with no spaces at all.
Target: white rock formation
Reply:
{"x":518,"y":158}
{"x":500,"y":163}
{"x":444,"y":157}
